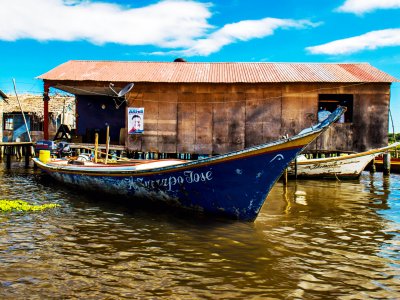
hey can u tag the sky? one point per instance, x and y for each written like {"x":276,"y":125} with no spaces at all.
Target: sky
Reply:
{"x":38,"y":35}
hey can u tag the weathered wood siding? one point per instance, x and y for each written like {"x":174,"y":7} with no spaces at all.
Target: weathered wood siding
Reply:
{"x":369,"y":128}
{"x":218,"y":118}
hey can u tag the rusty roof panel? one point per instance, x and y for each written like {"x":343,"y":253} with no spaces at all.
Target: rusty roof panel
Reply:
{"x":186,"y":72}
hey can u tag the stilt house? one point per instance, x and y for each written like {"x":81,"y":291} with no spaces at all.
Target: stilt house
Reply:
{"x":213,"y":108}
{"x":61,"y":111}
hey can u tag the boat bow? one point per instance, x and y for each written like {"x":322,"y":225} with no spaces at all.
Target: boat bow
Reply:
{"x":235,"y":184}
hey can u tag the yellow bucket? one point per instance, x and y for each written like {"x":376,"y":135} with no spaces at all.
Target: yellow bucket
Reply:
{"x":44,"y":156}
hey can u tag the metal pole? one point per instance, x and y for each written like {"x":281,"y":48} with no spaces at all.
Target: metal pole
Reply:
{"x":23,"y":115}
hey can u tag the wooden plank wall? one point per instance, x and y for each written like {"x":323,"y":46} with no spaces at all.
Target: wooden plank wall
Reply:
{"x":370,"y":126}
{"x":218,"y":118}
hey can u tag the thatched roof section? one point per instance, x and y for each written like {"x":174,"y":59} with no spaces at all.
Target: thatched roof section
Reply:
{"x":34,"y":104}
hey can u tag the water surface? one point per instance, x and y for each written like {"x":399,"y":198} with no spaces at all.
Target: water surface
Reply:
{"x":312,"y":240}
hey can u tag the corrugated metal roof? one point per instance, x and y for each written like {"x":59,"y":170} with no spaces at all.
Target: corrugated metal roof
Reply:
{"x":197,"y":72}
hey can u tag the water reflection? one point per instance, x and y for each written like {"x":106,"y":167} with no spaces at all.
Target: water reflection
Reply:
{"x":312,"y":240}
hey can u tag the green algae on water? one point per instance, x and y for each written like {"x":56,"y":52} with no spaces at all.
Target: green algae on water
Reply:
{"x":20,"y":205}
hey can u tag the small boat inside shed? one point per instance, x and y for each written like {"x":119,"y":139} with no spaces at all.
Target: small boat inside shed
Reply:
{"x":204,"y":109}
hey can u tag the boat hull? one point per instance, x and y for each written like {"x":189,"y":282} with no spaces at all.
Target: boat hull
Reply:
{"x":341,"y":167}
{"x":235,"y":188}
{"x":235,"y":184}
{"x":350,"y":168}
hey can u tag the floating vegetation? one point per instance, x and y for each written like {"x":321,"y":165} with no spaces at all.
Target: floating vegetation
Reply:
{"x":20,"y":205}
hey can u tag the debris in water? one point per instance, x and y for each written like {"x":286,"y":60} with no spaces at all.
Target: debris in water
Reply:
{"x":20,"y":205}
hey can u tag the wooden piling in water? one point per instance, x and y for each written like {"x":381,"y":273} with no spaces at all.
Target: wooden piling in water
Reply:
{"x":386,"y":163}
{"x":27,"y":156}
{"x":372,"y":168}
{"x":107,"y":143}
{"x":7,"y":152}
{"x":19,"y":149}
{"x":285,"y":177}
{"x":96,"y":146}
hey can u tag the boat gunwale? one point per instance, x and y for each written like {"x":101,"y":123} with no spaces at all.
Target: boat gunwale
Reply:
{"x":91,"y":170}
{"x":297,"y":141}
{"x":346,"y":157}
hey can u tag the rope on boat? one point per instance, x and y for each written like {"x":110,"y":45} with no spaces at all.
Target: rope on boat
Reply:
{"x":108,"y":154}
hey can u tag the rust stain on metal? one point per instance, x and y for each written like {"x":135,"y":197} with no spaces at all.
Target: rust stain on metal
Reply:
{"x":187,"y":72}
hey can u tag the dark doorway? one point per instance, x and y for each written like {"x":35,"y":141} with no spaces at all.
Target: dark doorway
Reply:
{"x":331,"y":101}
{"x":95,"y":113}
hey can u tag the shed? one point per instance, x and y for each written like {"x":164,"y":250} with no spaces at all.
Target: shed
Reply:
{"x":213,"y":108}
{"x":62,"y":110}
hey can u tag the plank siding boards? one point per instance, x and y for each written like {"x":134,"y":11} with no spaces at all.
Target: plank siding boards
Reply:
{"x":220,"y":125}
{"x":186,"y":123}
{"x":236,"y":122}
{"x":167,"y":122}
{"x":211,"y":118}
{"x":203,"y":128}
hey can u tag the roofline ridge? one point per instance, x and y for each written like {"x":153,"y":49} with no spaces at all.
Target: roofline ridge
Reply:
{"x":218,"y":62}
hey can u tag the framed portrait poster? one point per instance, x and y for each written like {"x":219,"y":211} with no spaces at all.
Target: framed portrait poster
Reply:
{"x":135,"y":120}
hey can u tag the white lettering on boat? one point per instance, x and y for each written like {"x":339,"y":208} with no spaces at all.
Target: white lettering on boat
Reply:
{"x":169,"y":182}
{"x":333,"y":164}
{"x":277,"y":157}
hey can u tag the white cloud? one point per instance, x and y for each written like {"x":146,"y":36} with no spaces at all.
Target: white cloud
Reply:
{"x":172,"y":24}
{"x":240,"y":31}
{"x":364,"y":6}
{"x":169,"y":23}
{"x":368,"y":41}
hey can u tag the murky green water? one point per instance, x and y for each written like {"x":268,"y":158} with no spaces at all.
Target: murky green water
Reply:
{"x":312,"y":240}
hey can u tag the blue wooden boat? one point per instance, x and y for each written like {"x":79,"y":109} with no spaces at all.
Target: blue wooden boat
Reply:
{"x":234,"y":185}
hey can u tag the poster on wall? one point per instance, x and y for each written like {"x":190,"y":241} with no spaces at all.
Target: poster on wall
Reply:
{"x":135,"y":120}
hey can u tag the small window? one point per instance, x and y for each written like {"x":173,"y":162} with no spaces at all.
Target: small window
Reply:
{"x":36,"y":123}
{"x":330,"y":102}
{"x":8,"y":123}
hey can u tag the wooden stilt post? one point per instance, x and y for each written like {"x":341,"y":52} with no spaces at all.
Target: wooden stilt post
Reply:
{"x":96,"y":146}
{"x":285,"y":177}
{"x":18,"y":152}
{"x":8,"y":157}
{"x":386,"y":163}
{"x":107,"y":142}
{"x":372,"y":168}
{"x":27,"y":155}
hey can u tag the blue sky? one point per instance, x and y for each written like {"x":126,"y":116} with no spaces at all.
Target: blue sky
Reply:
{"x":38,"y":35}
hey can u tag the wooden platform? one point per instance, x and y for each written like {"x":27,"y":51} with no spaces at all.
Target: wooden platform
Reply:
{"x":394,"y":165}
{"x":18,"y":149}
